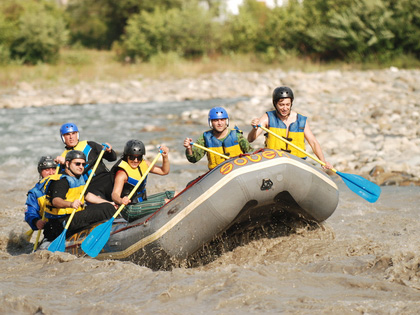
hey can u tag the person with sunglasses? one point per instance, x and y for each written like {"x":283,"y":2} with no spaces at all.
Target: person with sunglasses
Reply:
{"x":126,"y":174}
{"x":64,"y":194}
{"x":101,"y":183}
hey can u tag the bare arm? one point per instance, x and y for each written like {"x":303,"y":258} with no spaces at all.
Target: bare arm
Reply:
{"x":255,"y":132}
{"x":59,"y":202}
{"x":120,"y":179}
{"x":92,"y":198}
{"x":187,"y":145}
{"x":164,"y":169}
{"x":316,"y":147}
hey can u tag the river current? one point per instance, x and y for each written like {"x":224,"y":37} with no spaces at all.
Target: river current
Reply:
{"x":364,"y":259}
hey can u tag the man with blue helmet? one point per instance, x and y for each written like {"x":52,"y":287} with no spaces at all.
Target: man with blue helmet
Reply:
{"x":219,"y":138}
{"x":101,"y":184}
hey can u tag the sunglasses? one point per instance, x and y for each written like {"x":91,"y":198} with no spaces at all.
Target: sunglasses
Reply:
{"x":79,"y":163}
{"x":135,"y":157}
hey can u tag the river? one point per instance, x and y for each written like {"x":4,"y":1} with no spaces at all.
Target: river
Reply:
{"x":364,"y":259}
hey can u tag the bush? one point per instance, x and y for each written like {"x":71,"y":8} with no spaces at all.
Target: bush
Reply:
{"x":284,"y":31}
{"x":33,"y":31}
{"x":363,"y":31}
{"x":241,"y":33}
{"x":406,"y":14}
{"x":187,"y":31}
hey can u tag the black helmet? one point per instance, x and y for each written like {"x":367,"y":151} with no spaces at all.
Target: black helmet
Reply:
{"x":46,"y":162}
{"x":282,"y":92}
{"x":75,"y":154}
{"x":134,"y":147}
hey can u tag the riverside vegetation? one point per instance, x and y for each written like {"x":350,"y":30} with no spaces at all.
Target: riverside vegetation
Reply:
{"x":34,"y":31}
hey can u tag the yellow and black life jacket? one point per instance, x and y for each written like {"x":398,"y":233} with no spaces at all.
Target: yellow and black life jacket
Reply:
{"x":86,"y":149}
{"x":134,"y":175}
{"x":294,"y":134}
{"x":228,"y":146}
{"x":76,"y":186}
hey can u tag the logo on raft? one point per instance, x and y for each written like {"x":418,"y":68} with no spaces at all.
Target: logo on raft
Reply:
{"x":253,"y":158}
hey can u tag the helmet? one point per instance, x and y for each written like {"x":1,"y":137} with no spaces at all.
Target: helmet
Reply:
{"x":69,"y":127}
{"x":46,"y":162}
{"x":282,"y":92}
{"x":75,"y":154}
{"x":218,"y":113}
{"x":134,"y":147}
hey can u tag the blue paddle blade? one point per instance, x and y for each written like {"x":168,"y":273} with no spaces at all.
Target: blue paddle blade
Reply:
{"x":361,"y":186}
{"x":59,"y":244}
{"x":96,"y":240}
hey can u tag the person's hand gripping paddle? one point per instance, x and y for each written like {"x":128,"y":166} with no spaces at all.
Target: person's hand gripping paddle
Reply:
{"x":96,"y":240}
{"x":59,"y":244}
{"x":359,"y":185}
{"x":209,"y":150}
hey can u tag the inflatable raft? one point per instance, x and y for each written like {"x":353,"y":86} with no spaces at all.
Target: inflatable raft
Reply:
{"x":242,"y":191}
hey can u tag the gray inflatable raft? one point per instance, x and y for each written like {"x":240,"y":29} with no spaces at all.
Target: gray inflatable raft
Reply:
{"x":246,"y":189}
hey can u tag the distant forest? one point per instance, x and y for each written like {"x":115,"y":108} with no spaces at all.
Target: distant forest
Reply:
{"x":34,"y":31}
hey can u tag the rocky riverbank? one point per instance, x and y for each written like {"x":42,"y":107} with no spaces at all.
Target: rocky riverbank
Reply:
{"x":366,"y":121}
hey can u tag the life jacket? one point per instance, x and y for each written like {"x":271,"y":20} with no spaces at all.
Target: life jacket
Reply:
{"x":228,"y":146}
{"x":294,"y":134}
{"x":74,"y":192}
{"x":134,"y":175}
{"x":35,"y":203}
{"x":39,"y":191}
{"x":86,"y":149}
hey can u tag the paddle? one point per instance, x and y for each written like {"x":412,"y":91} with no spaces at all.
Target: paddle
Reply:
{"x":359,"y":185}
{"x":209,"y":150}
{"x":97,"y":239}
{"x":28,"y":234}
{"x":59,"y":244}
{"x":39,"y":233}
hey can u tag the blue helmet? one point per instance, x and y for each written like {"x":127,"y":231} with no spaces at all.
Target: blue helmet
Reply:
{"x":218,"y":113}
{"x":67,"y":128}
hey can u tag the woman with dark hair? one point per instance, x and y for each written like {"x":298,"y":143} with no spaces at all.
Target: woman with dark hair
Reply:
{"x":126,"y":174}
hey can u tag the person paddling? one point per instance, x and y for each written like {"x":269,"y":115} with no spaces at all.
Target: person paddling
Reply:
{"x":35,"y":201}
{"x":101,"y":184}
{"x":285,"y":122}
{"x":219,"y":139}
{"x":128,"y":171}
{"x":64,"y":194}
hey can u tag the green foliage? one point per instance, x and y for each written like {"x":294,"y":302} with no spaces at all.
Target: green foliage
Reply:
{"x":362,"y":31}
{"x":32,"y":31}
{"x":284,"y":30}
{"x":145,"y":35}
{"x":87,"y":23}
{"x":241,"y":32}
{"x":187,"y":31}
{"x":99,"y":23}
{"x":406,"y":14}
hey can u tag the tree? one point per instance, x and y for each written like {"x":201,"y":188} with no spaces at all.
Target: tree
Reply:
{"x":33,"y":31}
